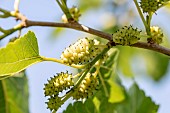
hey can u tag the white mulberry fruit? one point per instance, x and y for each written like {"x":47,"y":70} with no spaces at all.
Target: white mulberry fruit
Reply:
{"x":81,"y":52}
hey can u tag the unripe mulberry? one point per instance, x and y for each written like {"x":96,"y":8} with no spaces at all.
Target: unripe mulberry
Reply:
{"x":87,"y":87}
{"x":75,"y":13}
{"x":149,"y":5}
{"x":126,"y":36}
{"x":54,"y":102}
{"x":81,"y":52}
{"x":58,"y":83}
{"x":156,"y":34}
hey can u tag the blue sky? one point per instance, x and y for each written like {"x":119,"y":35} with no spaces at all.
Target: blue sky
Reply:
{"x":48,"y":10}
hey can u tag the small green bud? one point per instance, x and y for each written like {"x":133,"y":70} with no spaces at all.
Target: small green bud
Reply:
{"x":156,"y":34}
{"x":75,"y":13}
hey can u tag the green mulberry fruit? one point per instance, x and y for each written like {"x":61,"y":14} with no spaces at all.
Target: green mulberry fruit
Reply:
{"x":87,"y":87}
{"x":149,"y":5}
{"x":54,"y":102}
{"x":58,"y":83}
{"x":81,"y":52}
{"x":156,"y":34}
{"x":127,"y":35}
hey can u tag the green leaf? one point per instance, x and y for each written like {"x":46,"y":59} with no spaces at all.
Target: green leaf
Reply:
{"x":18,"y":55}
{"x":14,"y":94}
{"x":2,"y":99}
{"x":80,"y":107}
{"x":137,"y":102}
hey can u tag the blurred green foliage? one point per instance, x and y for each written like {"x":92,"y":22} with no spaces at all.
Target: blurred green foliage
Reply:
{"x":14,"y":94}
{"x":85,"y":5}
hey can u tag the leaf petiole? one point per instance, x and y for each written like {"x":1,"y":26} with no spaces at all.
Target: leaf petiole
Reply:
{"x":61,"y":62}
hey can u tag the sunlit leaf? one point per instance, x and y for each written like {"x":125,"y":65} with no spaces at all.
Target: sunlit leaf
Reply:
{"x":18,"y":55}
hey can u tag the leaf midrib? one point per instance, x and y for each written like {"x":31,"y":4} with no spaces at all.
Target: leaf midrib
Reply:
{"x":30,"y":58}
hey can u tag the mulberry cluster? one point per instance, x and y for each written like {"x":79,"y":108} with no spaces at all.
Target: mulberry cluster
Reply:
{"x":156,"y":34}
{"x":87,"y":87}
{"x":126,"y":35}
{"x":58,"y":83}
{"x":55,"y":85}
{"x":149,"y":5}
{"x":81,"y":52}
{"x":75,"y":13}
{"x":54,"y":103}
